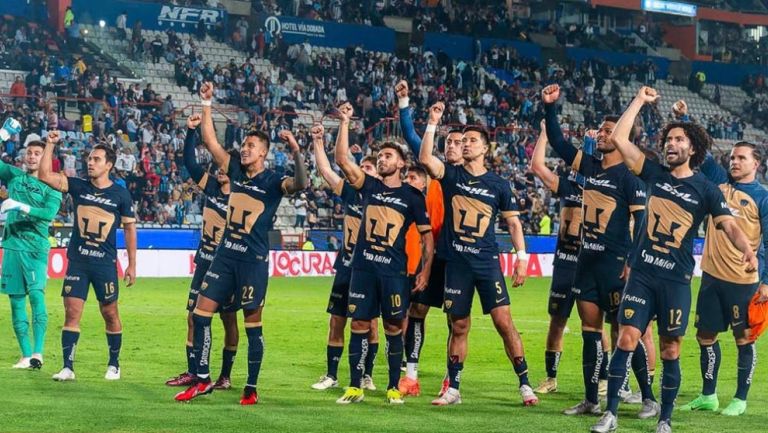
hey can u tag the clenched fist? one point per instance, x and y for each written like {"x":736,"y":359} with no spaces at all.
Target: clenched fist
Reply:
{"x":550,"y":94}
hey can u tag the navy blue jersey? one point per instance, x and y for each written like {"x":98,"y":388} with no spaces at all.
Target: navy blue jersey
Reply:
{"x":569,"y":237}
{"x":353,"y":214}
{"x":610,"y":196}
{"x":387,"y":214}
{"x":98,"y":214}
{"x":214,"y":218}
{"x":252,"y":205}
{"x":472,"y":205}
{"x":675,"y":210}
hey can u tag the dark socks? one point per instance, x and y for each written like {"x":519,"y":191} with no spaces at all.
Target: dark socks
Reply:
{"x":68,"y":345}
{"x":373,"y":349}
{"x":617,"y":377}
{"x":454,"y":371}
{"x":191,"y":367}
{"x":710,"y":366}
{"x":746,"y":364}
{"x":552,"y":361}
{"x":521,"y":369}
{"x":394,"y":357}
{"x":255,"y":354}
{"x":670,"y":383}
{"x":227,"y":360}
{"x":115,"y":342}
{"x":640,"y":368}
{"x":333,"y":356}
{"x":592,"y":360}
{"x":358,"y":351}
{"x":202,"y":345}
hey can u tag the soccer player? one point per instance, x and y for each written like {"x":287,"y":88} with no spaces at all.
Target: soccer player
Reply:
{"x":338,"y":302}
{"x":726,"y":291}
{"x":432,"y":296}
{"x":379,"y":284}
{"x":612,"y":197}
{"x":30,"y":208}
{"x":100,"y":207}
{"x":240,"y":269}
{"x":561,"y":297}
{"x":216,"y":190}
{"x":473,"y":198}
{"x":662,"y":264}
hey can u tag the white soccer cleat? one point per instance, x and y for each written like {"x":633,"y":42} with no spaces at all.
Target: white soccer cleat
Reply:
{"x":324,"y":383}
{"x":64,"y":375}
{"x":23,"y":364}
{"x":606,"y":424}
{"x":529,"y":397}
{"x":113,"y":373}
{"x":450,"y":396}
{"x":634,"y":398}
{"x":368,"y":383}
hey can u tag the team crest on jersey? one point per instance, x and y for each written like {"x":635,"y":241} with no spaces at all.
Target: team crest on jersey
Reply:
{"x":448,"y":304}
{"x":352,"y":308}
{"x":67,"y":289}
{"x":629,"y":313}
{"x":330,"y":305}
{"x":554,"y":305}
{"x":203,"y":286}
{"x":190,"y":302}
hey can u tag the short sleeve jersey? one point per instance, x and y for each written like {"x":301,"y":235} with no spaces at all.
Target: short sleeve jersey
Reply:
{"x":353,"y":214}
{"x":472,"y":205}
{"x":214,"y":218}
{"x":253,"y":202}
{"x":610,"y":196}
{"x":569,"y":236}
{"x":387,"y":214}
{"x":675,"y":210}
{"x":98,"y":214}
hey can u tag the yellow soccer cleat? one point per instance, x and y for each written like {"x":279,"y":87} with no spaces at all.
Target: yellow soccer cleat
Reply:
{"x":351,"y":395}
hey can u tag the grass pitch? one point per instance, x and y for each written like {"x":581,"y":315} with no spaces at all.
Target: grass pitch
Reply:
{"x":295,"y":329}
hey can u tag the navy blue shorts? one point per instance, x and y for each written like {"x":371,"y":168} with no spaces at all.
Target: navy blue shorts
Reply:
{"x":433,"y":294}
{"x":721,"y":305}
{"x":235,"y":284}
{"x":598,"y":281}
{"x":460,"y":284}
{"x":561,"y":296}
{"x":201,"y":268}
{"x":80,"y":276}
{"x":371,"y":295}
{"x":646,"y":298}
{"x":339,"y":299}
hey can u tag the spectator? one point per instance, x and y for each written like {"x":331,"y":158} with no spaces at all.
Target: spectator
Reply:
{"x":18,"y":92}
{"x":69,"y":17}
{"x":157,"y":49}
{"x":300,"y":205}
{"x":121,"y":22}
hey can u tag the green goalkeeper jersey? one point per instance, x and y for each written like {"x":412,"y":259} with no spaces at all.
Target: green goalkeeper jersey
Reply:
{"x":28,"y":232}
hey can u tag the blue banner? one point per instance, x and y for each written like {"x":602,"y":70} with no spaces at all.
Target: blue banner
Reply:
{"x":669,"y":7}
{"x":153,"y":16}
{"x":328,"y":34}
{"x":17,"y":8}
{"x":727,"y":73}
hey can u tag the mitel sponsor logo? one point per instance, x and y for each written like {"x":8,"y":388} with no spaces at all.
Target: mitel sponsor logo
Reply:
{"x":657,"y":261}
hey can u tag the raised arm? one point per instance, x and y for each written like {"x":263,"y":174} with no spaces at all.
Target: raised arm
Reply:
{"x":713,"y":171}
{"x":538,"y":162}
{"x":220,"y":156}
{"x":406,"y":121}
{"x":196,"y":171}
{"x":352,"y":171}
{"x":620,"y":136}
{"x":431,"y":163}
{"x":46,"y":175}
{"x":566,"y":150}
{"x":300,"y":179}
{"x":321,"y":159}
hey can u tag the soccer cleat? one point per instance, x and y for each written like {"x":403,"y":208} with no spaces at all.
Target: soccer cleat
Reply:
{"x":735,"y":408}
{"x":664,"y":427}
{"x":394,"y":396}
{"x":583,"y":408}
{"x":351,"y":395}
{"x":222,"y":383}
{"x":602,"y":388}
{"x":64,"y":375}
{"x":36,"y":363}
{"x":634,"y":398}
{"x":703,"y":402}
{"x":403,"y":366}
{"x":368,"y":383}
{"x":199,"y":388}
{"x":606,"y":424}
{"x":529,"y":398}
{"x":450,"y":396}
{"x":624,"y":394}
{"x":650,"y":409}
{"x":326,"y":382}
{"x":250,"y":396}
{"x":113,"y":373}
{"x":23,"y":364}
{"x":444,"y":387}
{"x":408,"y":386}
{"x":184,"y":379}
{"x":546,"y":386}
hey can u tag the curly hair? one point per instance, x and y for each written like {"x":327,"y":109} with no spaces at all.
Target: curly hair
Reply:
{"x":701,"y":142}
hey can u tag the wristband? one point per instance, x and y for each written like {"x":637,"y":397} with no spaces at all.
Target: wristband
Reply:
{"x":403,"y":102}
{"x":431,"y":128}
{"x":522,"y":255}
{"x":205,"y":103}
